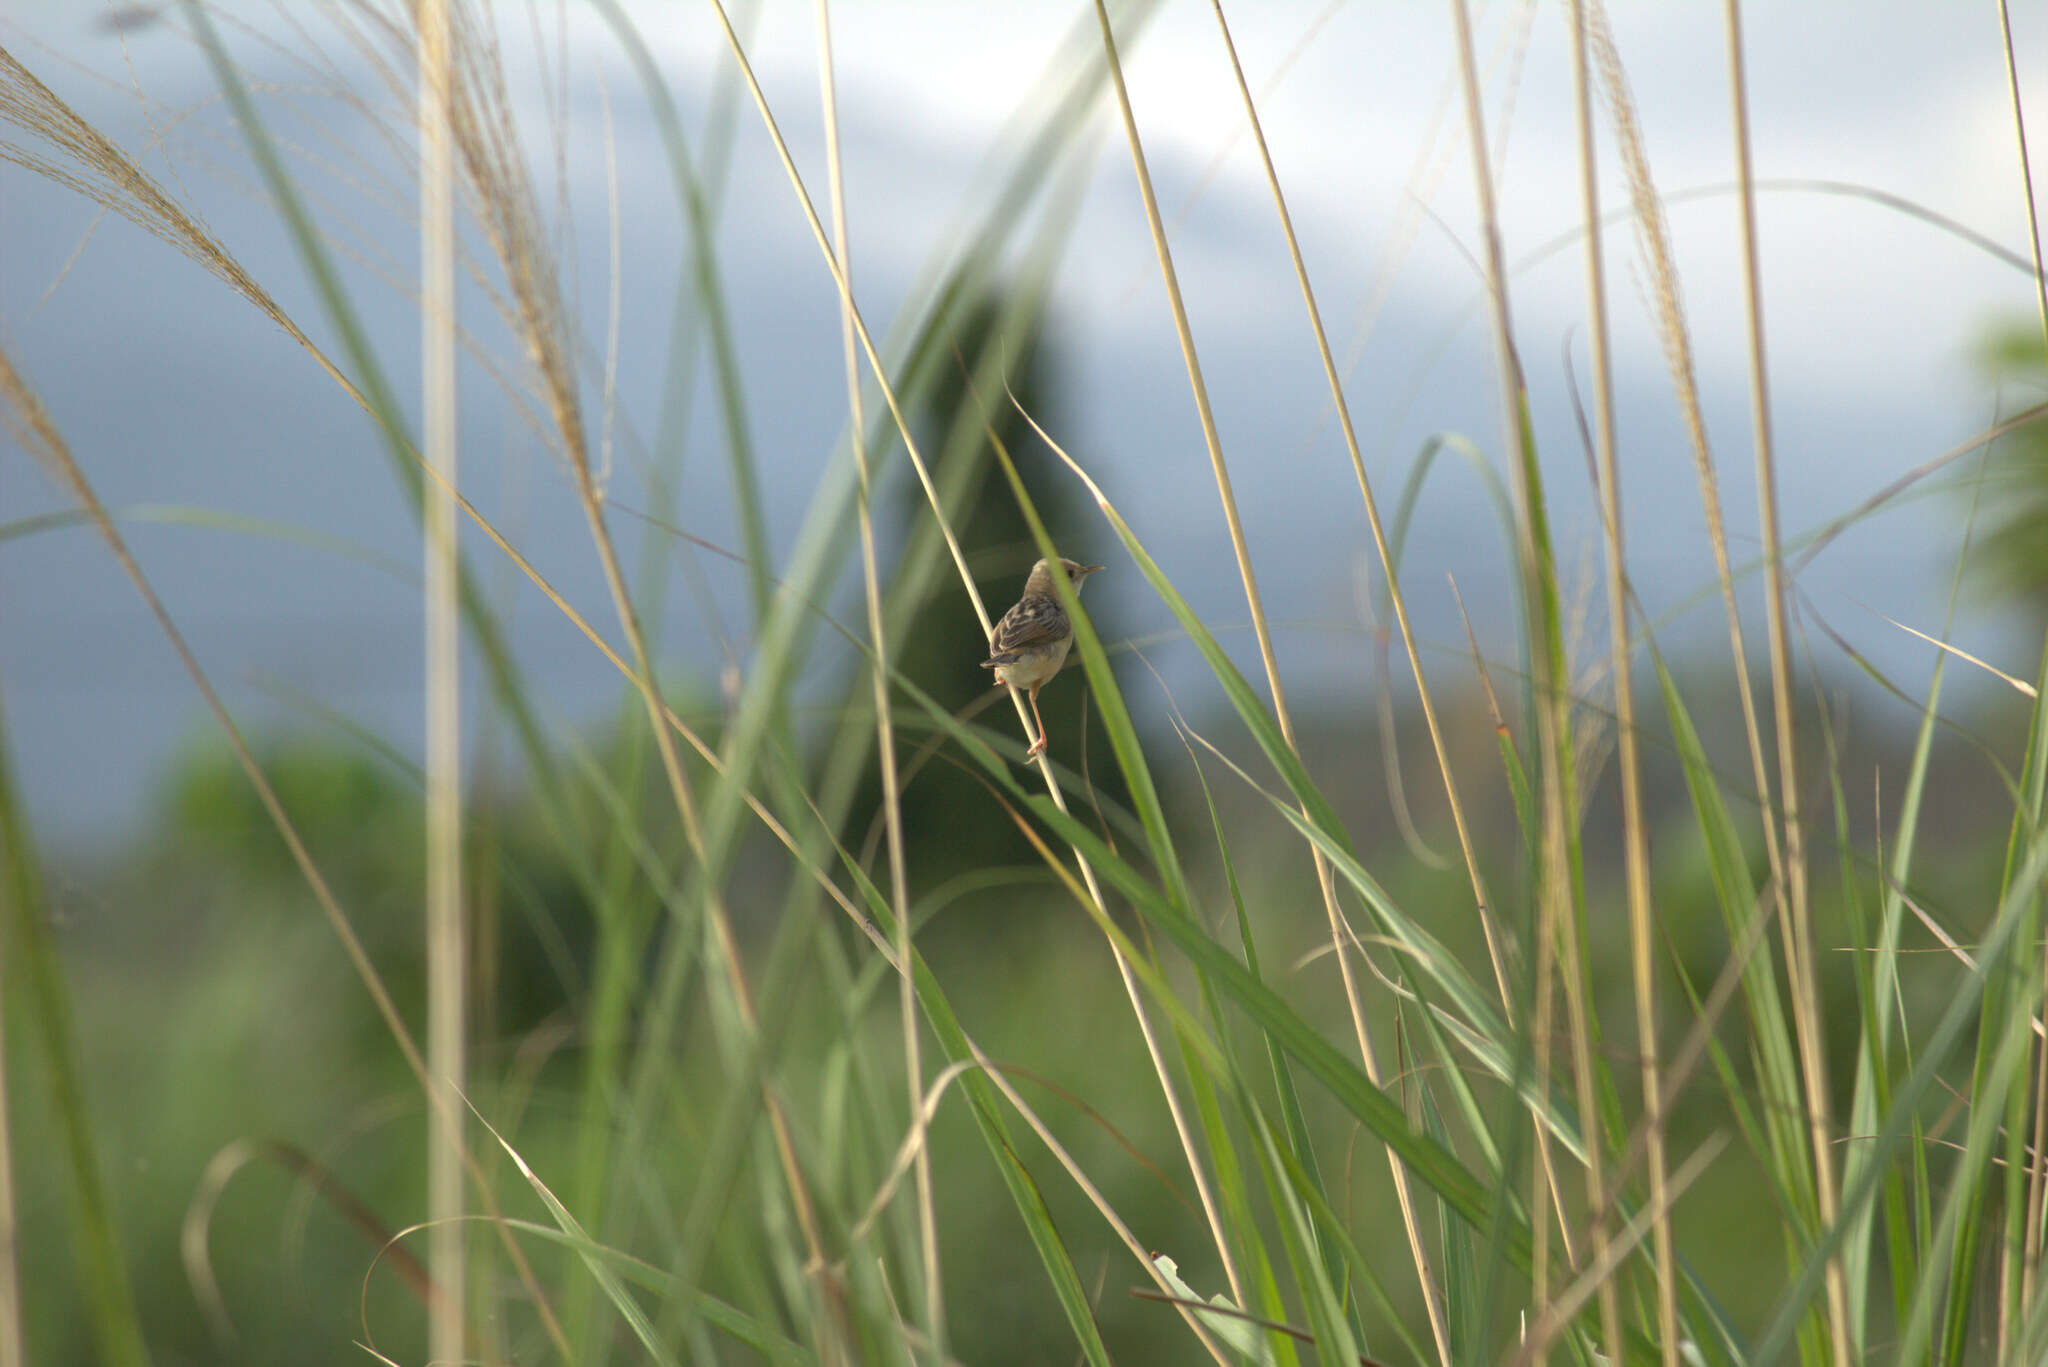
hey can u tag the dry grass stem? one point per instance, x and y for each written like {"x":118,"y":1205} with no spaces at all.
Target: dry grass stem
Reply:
{"x":1808,"y":1011}
{"x":1635,"y":838}
{"x":1398,"y":602}
{"x":1553,"y":1318}
{"x":885,"y":725}
{"x":487,"y":140}
{"x":447,"y":942}
{"x":1552,"y":705}
{"x":33,"y":428}
{"x":2037,"y":1180}
{"x":682,"y":924}
{"x":1653,"y":241}
{"x":903,"y":428}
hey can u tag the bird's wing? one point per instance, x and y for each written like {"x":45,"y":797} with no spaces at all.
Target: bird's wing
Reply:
{"x":1029,"y":624}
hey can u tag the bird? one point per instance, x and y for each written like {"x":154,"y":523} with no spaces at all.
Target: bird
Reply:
{"x":1031,"y":642}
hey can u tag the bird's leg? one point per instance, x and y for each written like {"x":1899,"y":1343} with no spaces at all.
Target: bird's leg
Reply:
{"x":1038,"y":745}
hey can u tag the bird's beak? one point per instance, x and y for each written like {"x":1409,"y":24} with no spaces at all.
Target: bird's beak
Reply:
{"x":1087,"y":570}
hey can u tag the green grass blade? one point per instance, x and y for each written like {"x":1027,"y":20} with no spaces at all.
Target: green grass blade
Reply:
{"x":36,"y":989}
{"x":1994,"y":955}
{"x":983,"y":1105}
{"x":600,"y":1269}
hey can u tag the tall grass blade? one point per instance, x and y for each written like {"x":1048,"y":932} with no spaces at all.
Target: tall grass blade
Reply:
{"x":1996,"y":951}
{"x":1262,"y":631}
{"x":35,"y":979}
{"x":885,"y":734}
{"x":629,"y":1309}
{"x":1635,"y":838}
{"x":1808,"y":1010}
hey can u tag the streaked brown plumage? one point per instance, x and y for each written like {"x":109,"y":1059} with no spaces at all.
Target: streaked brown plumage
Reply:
{"x":1031,"y":642}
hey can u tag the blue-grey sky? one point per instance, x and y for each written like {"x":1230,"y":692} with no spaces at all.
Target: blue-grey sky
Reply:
{"x":172,"y":392}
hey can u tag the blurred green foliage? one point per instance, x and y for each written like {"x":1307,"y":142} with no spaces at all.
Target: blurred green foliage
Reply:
{"x":2013,"y":558}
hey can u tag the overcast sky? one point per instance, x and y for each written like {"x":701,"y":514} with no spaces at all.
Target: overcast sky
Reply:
{"x":173,"y":393}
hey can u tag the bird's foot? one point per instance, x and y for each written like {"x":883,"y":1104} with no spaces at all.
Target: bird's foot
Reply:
{"x":1037,"y":749}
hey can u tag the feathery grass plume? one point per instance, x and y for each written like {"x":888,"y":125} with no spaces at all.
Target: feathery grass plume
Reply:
{"x":1635,"y":836}
{"x":76,"y":155}
{"x":1771,"y":1039}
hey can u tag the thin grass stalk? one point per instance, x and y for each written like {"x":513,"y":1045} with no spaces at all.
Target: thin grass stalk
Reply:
{"x":2017,"y":1276}
{"x":698,"y":210}
{"x":2002,"y":1000}
{"x":446,"y":943}
{"x":698,"y":198}
{"x":624,"y":926}
{"x":1324,"y":879}
{"x":1906,"y":1244}
{"x":2019,"y":131}
{"x":1654,"y":240}
{"x":115,"y":181}
{"x":911,"y":579}
{"x":1074,"y":1298}
{"x":1635,"y":839}
{"x":1856,"y":1248}
{"x":1576,"y":980}
{"x":1198,"y":1053}
{"x":959,"y":475}
{"x":484,"y":136}
{"x":33,"y":965}
{"x":885,"y":726}
{"x":971,"y":1062}
{"x":1789,"y":1139}
{"x":1171,"y":1095}
{"x":1547,"y":679}
{"x":2030,"y":1229}
{"x":1203,"y":412}
{"x":1543,"y":1179}
{"x":622,"y":920}
{"x":2038,"y":1172}
{"x":1209,"y":1052}
{"x":1556,"y":1316}
{"x":719,"y":921}
{"x":39,"y":435}
{"x":704,"y":752}
{"x":1088,"y":1188}
{"x":1806,"y":1004}
{"x":1875,"y":950}
{"x":1992,"y":1088}
{"x":867,"y":342}
{"x":2020,"y":1238}
{"x":1396,"y":598}
{"x":2028,"y":861}
{"x":486,"y":164}
{"x":106,"y":174}
{"x":12,"y":1352}
{"x":1422,"y":1153}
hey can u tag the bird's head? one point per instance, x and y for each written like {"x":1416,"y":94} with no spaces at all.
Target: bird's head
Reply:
{"x":1041,"y":575}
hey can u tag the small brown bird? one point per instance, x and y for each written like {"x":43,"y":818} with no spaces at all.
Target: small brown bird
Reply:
{"x":1031,"y":642}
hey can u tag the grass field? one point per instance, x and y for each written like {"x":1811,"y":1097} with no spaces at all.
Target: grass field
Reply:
{"x":1645,"y":1009}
